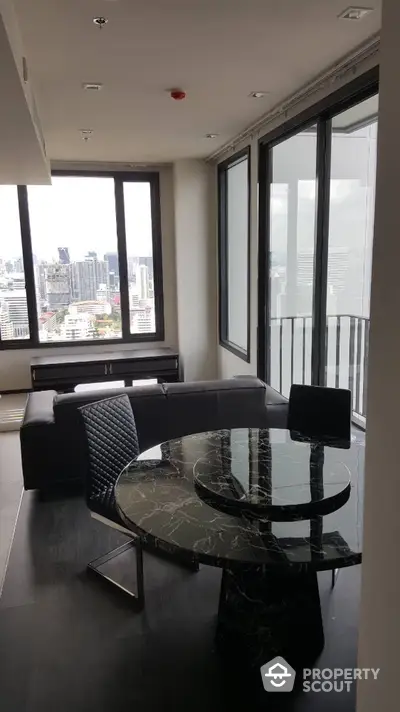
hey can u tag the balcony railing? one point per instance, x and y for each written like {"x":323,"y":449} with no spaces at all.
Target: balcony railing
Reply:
{"x":347,"y":339}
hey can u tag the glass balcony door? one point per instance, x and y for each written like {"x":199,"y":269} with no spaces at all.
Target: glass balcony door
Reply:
{"x":350,"y":240}
{"x":292,"y":259}
{"x":317,"y":199}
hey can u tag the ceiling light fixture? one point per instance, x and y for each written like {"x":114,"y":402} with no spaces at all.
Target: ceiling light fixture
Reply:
{"x":100,"y":21}
{"x":211,"y":135}
{"x":86,"y":134}
{"x":92,"y":86}
{"x":355,"y":13}
{"x":258,"y":94}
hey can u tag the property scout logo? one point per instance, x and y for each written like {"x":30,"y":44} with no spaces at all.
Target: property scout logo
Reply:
{"x":279,"y":676}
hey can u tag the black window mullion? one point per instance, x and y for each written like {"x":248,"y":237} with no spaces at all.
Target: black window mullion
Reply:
{"x":122,"y":258}
{"x":223,"y":254}
{"x":157,"y":255}
{"x":319,"y":335}
{"x":29,"y":271}
{"x":265,"y":180}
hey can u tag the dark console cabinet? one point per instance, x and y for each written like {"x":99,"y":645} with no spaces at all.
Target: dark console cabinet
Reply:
{"x":63,"y":373}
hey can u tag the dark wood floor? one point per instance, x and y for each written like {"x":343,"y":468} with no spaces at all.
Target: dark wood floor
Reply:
{"x":10,"y":494}
{"x":70,"y":643}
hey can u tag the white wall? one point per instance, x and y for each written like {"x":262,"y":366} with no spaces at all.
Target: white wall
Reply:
{"x":196,"y":268}
{"x":14,"y":364}
{"x":228,"y":363}
{"x":379,"y":637}
{"x":22,"y":150}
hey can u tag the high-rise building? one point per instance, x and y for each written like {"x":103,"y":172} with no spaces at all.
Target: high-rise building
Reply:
{"x":102,"y":274}
{"x":102,"y":293}
{"x":57,"y":286}
{"x":40,"y":279}
{"x":6,"y":327}
{"x":19,"y":265}
{"x":63,"y":255}
{"x":17,"y":280}
{"x":142,"y":281}
{"x":77,"y":326}
{"x":87,"y":275}
{"x":132,"y":266}
{"x":148,"y":261}
{"x":112,"y":259}
{"x":145,"y":321}
{"x":18,"y":311}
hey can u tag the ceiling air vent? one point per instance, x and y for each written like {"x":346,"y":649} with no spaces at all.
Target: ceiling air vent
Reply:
{"x":92,"y":86}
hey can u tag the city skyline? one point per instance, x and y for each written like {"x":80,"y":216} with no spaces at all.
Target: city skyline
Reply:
{"x":77,"y":300}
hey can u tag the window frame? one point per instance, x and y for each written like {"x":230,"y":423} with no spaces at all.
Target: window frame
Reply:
{"x":320,"y":114}
{"x":223,"y":300}
{"x":119,"y":177}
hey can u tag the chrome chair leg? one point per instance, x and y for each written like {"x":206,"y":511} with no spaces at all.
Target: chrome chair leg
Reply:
{"x":335,"y":573}
{"x":94,"y":566}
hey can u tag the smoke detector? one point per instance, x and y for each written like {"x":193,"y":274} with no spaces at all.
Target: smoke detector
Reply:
{"x":355,"y":13}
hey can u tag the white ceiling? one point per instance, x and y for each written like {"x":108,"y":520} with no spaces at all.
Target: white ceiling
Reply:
{"x":218,"y":51}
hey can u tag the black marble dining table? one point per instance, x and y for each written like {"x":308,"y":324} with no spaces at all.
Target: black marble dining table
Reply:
{"x":268,"y":506}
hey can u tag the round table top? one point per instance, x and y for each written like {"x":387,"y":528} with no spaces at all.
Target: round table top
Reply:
{"x":248,"y":496}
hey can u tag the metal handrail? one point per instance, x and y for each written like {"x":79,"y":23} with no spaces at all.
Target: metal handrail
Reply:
{"x":346,"y":349}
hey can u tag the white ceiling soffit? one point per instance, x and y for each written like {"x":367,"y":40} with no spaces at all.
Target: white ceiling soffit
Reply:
{"x":217,"y":51}
{"x":22,"y":151}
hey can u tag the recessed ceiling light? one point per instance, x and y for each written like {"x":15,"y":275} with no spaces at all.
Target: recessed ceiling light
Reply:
{"x":100,"y":21}
{"x":210,"y":135}
{"x":355,"y":13}
{"x":86,"y":134}
{"x":92,"y":86}
{"x":258,"y":94}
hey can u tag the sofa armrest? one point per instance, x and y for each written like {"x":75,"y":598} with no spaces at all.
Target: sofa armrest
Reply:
{"x":277,"y":405}
{"x":39,"y":409}
{"x":38,"y":440}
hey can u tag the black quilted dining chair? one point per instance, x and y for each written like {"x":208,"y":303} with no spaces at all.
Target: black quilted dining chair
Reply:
{"x":319,"y":412}
{"x":111,"y":443}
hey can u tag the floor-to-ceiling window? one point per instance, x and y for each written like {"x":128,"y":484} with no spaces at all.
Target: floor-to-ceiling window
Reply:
{"x":291,"y":264}
{"x":351,"y":229}
{"x":317,"y":188}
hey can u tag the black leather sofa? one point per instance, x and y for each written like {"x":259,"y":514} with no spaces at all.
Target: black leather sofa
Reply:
{"x":51,"y":433}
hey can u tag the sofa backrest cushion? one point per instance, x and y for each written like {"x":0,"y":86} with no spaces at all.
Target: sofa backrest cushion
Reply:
{"x":148,"y":404}
{"x":165,"y":411}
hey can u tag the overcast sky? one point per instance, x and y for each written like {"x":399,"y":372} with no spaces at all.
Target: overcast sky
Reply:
{"x":78,"y":213}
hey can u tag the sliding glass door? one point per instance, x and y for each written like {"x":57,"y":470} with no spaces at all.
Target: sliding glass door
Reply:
{"x":317,"y":188}
{"x":291,"y":264}
{"x":351,"y":227}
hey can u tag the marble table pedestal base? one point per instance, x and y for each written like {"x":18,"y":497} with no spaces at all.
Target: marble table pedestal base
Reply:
{"x":263,"y":614}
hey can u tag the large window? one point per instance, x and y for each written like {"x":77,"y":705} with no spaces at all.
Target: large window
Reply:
{"x":14,"y":322}
{"x":317,"y":190}
{"x":234,"y":215}
{"x":92,"y":248}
